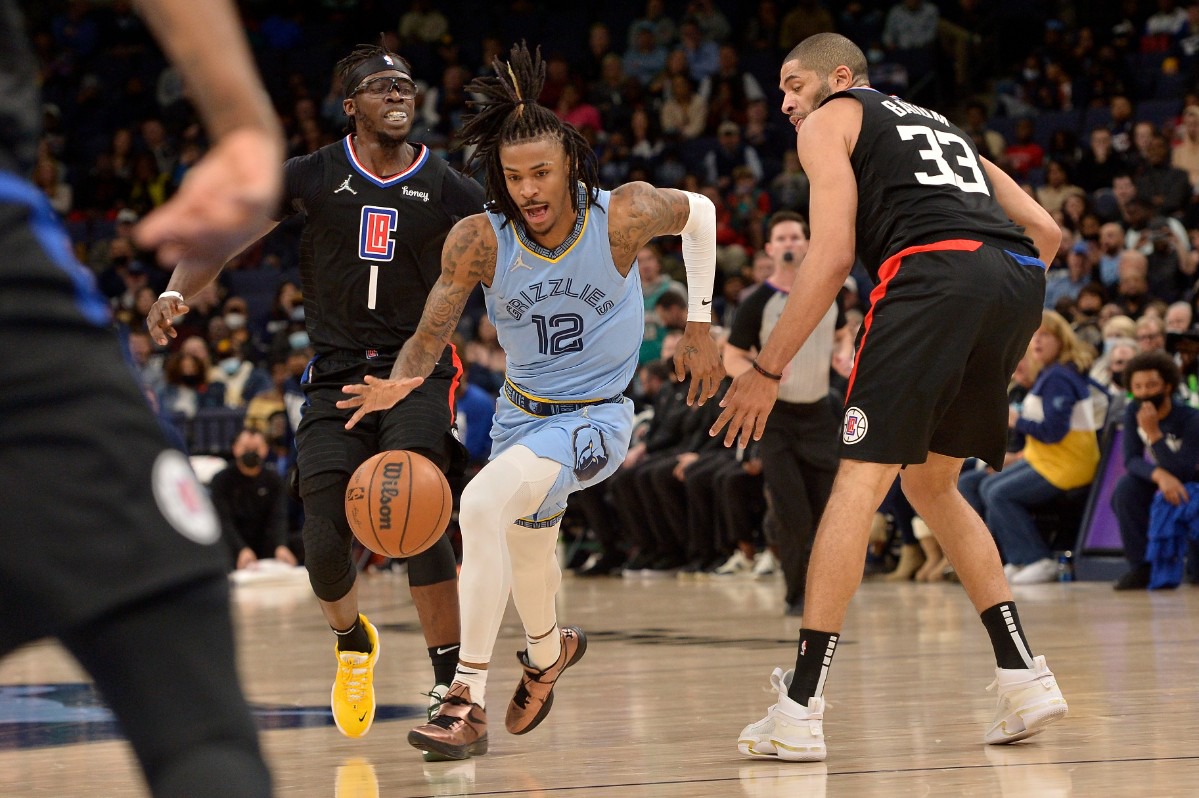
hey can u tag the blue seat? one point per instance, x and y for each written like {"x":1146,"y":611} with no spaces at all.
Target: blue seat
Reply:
{"x":213,"y":429}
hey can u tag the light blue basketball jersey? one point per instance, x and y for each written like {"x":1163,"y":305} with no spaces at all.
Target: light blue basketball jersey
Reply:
{"x":569,"y":324}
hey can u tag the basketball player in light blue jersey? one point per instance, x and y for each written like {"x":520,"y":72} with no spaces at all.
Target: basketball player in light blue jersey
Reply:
{"x":557,"y":257}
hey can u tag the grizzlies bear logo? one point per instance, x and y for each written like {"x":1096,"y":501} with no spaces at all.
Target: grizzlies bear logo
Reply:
{"x":590,"y":453}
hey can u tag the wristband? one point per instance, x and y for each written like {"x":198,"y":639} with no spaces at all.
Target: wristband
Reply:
{"x":175,"y":294}
{"x":768,"y":375}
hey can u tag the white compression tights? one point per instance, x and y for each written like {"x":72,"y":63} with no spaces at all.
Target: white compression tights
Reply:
{"x":498,"y":556}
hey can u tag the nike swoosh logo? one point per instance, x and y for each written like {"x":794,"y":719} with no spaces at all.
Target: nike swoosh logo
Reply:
{"x":705,"y":302}
{"x":364,"y":714}
{"x":448,"y":650}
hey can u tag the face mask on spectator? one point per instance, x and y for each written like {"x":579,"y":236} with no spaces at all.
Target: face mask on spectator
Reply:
{"x":251,"y":459}
{"x":298,"y":340}
{"x":191,"y":380}
{"x":1118,"y":379}
{"x":235,"y":321}
{"x":230,"y":365}
{"x":1157,"y":400}
{"x":297,"y":313}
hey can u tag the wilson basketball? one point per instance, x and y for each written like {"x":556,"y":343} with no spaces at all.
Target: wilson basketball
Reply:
{"x":398,"y":503}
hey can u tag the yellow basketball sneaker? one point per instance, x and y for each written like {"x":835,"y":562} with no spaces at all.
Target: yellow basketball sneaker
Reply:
{"x":353,"y":696}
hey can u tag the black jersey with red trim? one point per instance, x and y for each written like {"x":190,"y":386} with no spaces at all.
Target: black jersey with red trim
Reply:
{"x":920,"y":180}
{"x":371,"y":247}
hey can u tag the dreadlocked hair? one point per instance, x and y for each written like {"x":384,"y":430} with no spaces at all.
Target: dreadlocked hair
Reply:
{"x":508,"y":113}
{"x":360,"y":55}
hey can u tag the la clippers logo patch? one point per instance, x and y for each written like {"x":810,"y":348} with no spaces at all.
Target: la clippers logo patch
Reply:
{"x":181,"y":499}
{"x":374,"y":233}
{"x":853,"y":429}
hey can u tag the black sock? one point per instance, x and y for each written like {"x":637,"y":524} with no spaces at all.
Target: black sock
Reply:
{"x":1007,"y":636}
{"x":445,"y":660}
{"x":354,"y":638}
{"x":811,"y":664}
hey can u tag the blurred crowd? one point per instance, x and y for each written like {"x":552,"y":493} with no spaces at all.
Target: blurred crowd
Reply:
{"x":1093,"y":107}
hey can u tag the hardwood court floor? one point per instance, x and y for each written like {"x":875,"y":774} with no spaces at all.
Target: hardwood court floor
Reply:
{"x":673,"y":671}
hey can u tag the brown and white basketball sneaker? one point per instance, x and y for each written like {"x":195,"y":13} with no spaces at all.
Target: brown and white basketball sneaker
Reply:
{"x":535,"y":694}
{"x":457,"y":731}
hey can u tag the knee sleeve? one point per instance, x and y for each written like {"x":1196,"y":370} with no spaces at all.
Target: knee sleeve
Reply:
{"x":434,"y":565}
{"x":327,"y":535}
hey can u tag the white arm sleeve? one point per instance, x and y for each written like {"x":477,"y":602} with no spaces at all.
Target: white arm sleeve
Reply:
{"x":699,"y":257}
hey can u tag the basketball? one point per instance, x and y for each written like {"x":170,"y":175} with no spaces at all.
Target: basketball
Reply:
{"x":398,"y":503}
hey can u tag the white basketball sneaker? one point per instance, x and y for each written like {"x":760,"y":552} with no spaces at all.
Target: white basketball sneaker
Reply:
{"x":789,"y":731}
{"x":755,"y":738}
{"x":798,"y":734}
{"x":1029,"y":700}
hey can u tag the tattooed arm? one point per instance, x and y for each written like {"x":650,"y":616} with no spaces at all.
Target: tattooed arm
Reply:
{"x":639,"y":213}
{"x":467,"y":259}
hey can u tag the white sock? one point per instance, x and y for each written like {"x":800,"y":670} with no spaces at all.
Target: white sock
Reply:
{"x":476,"y":680}
{"x":545,"y":651}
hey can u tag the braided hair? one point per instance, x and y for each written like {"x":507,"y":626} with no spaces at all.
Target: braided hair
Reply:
{"x":509,"y":113}
{"x":364,"y":60}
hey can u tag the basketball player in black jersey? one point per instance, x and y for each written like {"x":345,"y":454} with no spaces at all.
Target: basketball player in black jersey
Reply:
{"x":958,"y":252}
{"x":377,"y":210}
{"x":107,"y":540}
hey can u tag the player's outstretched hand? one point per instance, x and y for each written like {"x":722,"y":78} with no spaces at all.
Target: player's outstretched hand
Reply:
{"x":160,"y":319}
{"x":224,"y":199}
{"x":697,"y":352}
{"x":747,"y":405}
{"x":376,"y":394}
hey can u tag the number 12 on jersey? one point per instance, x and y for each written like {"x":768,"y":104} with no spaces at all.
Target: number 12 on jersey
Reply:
{"x":945,"y":174}
{"x":375,"y":243}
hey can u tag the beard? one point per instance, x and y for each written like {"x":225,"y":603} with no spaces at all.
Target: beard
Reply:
{"x":823,"y":93}
{"x":385,"y":140}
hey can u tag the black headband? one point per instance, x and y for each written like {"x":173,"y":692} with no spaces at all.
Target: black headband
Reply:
{"x":384,"y":62}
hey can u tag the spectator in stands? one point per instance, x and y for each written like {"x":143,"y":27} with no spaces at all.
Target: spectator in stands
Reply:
{"x":1024,"y":154}
{"x":1151,"y":334}
{"x":1161,"y":450}
{"x":976,"y":124}
{"x":910,"y":35}
{"x":1164,"y":185}
{"x":1164,"y":243}
{"x":1066,"y":283}
{"x":808,"y":18}
{"x":1132,"y":290}
{"x":186,"y":388}
{"x":749,"y":207}
{"x":1179,"y":317}
{"x":1100,"y":163}
{"x":146,"y":362}
{"x":730,"y":153}
{"x":654,"y":283}
{"x":712,"y":22}
{"x":1185,"y":152}
{"x":267,"y":402}
{"x":657,"y":22}
{"x":251,"y":502}
{"x":1085,"y":321}
{"x":646,"y":56}
{"x":684,"y":114}
{"x":790,"y":189}
{"x":1057,"y":187}
{"x":1061,"y":452}
{"x":474,"y":409}
{"x":573,"y":108}
{"x":703,"y":54}
{"x":485,"y":359}
{"x":1111,"y":244}
{"x":1121,"y":124}
{"x":610,"y":93}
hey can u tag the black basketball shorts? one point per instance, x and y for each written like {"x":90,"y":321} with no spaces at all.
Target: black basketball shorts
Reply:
{"x":948,"y":323}
{"x":95,"y":511}
{"x":423,"y":420}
